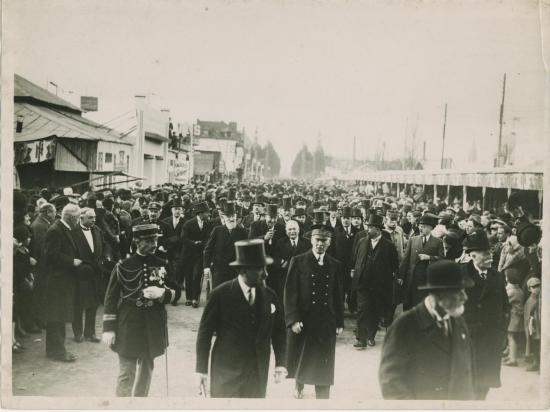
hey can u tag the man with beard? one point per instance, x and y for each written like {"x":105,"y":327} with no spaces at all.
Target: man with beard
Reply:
{"x":195,"y":233}
{"x":314,"y":313}
{"x":486,"y":314}
{"x":247,"y":320}
{"x":427,"y":352}
{"x":373,"y":276}
{"x":219,"y":250}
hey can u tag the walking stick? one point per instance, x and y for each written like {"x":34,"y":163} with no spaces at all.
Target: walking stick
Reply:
{"x":166,"y":353}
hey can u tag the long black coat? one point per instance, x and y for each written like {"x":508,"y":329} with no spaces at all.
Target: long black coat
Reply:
{"x":172,"y":236}
{"x":419,"y":362}
{"x":191,"y":233}
{"x":258,"y":230}
{"x":487,"y":315}
{"x":89,"y":273}
{"x":242,"y":345}
{"x":311,"y":353}
{"x":57,"y":268}
{"x":343,"y":246}
{"x":378,"y":273}
{"x":219,"y":251}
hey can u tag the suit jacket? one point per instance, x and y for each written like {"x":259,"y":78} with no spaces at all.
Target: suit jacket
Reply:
{"x":220,"y":248}
{"x":244,"y":336}
{"x":57,"y":267}
{"x":376,"y":273}
{"x":343,"y":245}
{"x":172,"y":236}
{"x":487,"y":315}
{"x":39,"y":227}
{"x":248,"y":220}
{"x":419,"y":362}
{"x":190,"y":234}
{"x":284,"y":251}
{"x":259,"y":228}
{"x":89,"y":273}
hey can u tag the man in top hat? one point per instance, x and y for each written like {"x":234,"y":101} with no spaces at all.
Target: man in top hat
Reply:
{"x":256,"y":214}
{"x":427,"y":352}
{"x":420,"y":252}
{"x":343,"y":239}
{"x":135,"y":320}
{"x":219,"y":250}
{"x":286,"y":209}
{"x":334,"y":218}
{"x":487,"y":312}
{"x":171,"y":228}
{"x":395,"y":233}
{"x":373,"y":276}
{"x":88,"y":240}
{"x":247,"y":319}
{"x":314,"y":313}
{"x":194,"y":235}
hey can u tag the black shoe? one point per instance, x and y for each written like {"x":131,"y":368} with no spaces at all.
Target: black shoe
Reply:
{"x":187,"y":303}
{"x":66,"y":357}
{"x":360,"y":344}
{"x":93,"y":339}
{"x":79,"y":339}
{"x":195,"y":304}
{"x":17,"y":349}
{"x":175,"y":303}
{"x":371,"y":342}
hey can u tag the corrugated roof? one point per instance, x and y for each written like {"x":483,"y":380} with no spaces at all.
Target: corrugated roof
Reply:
{"x":27,"y":89}
{"x":41,"y":122}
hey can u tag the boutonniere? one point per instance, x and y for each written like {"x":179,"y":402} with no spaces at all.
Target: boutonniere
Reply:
{"x":273,"y":308}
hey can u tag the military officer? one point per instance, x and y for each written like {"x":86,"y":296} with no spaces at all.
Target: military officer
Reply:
{"x":135,"y":320}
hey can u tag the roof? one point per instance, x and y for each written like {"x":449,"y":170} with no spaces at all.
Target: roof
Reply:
{"x":26,"y":90}
{"x":41,"y":122}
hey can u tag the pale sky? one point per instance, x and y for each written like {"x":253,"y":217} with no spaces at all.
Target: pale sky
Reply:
{"x":297,"y":69}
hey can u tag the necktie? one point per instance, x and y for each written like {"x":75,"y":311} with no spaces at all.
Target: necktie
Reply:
{"x":293,"y":244}
{"x":423,"y":241}
{"x":445,"y":326}
{"x":483,"y":275}
{"x":250,"y":297}
{"x":319,"y":261}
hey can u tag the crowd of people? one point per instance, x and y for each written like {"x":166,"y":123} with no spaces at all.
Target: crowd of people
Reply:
{"x":282,"y":262}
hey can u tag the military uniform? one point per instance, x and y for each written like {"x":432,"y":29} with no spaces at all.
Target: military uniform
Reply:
{"x":140,"y":324}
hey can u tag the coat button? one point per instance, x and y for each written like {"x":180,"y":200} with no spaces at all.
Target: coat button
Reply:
{"x":326,"y":294}
{"x":326,"y":303}
{"x":313,"y":301}
{"x":313,"y":293}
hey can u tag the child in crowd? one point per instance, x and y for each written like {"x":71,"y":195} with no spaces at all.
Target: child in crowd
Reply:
{"x":515,"y":327}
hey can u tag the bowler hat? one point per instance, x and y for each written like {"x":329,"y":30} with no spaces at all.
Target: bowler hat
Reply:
{"x":146,"y":230}
{"x":376,"y":221}
{"x":229,"y":209}
{"x":528,"y":234}
{"x":477,"y":240}
{"x":61,"y":201}
{"x":200,"y":207}
{"x":428,"y":219}
{"x":445,"y":274}
{"x":251,"y":253}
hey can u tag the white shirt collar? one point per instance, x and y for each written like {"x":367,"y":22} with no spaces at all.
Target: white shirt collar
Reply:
{"x":430,"y":305}
{"x":479,"y":270}
{"x":65,"y":223}
{"x":376,"y":239}
{"x":427,"y":237}
{"x":245,"y":288}
{"x":320,"y":258}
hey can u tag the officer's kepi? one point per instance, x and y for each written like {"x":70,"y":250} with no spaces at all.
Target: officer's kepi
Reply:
{"x":146,"y":231}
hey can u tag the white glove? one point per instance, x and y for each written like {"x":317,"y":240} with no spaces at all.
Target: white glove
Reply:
{"x":297,"y":327}
{"x":206,"y":273}
{"x":203,"y":385}
{"x":109,"y":338}
{"x":153,"y":292}
{"x":280,"y":374}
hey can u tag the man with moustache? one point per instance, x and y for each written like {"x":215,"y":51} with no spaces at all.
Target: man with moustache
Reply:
{"x":219,"y":250}
{"x":427,"y":352}
{"x":487,"y":312}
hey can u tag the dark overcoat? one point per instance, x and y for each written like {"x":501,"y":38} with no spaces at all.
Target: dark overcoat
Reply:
{"x":243,"y":340}
{"x":172,"y":236}
{"x":141,"y":331}
{"x":419,"y":362}
{"x":487,"y":315}
{"x":343,"y":245}
{"x":58,"y":270}
{"x":191,"y":233}
{"x":89,"y":288}
{"x":311,"y":353}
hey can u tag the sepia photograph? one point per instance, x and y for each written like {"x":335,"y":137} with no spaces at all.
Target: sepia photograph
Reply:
{"x":245,"y":204}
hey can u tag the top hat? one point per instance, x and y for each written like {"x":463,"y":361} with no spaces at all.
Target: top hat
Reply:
{"x":145,"y":231}
{"x":272,"y":210}
{"x":200,"y":207}
{"x":428,"y":219}
{"x":229,"y":209}
{"x":356,"y":212}
{"x":332,"y":205}
{"x":476,"y":240}
{"x":232,"y":194}
{"x":177,"y":202}
{"x":346,"y":211}
{"x":376,"y":220}
{"x":392,"y":214}
{"x":251,"y":253}
{"x":528,"y":234}
{"x":300,"y":211}
{"x":319,"y":217}
{"x":445,"y":274}
{"x":287,"y":203}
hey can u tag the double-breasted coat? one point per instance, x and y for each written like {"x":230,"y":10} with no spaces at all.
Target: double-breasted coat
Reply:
{"x":89,"y":288}
{"x":487,"y":315}
{"x":244,"y":337}
{"x":413,"y":271}
{"x":313,"y":295}
{"x":140,"y":324}
{"x":419,"y":362}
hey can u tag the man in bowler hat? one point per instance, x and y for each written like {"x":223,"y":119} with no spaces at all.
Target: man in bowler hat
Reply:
{"x":427,"y":352}
{"x":247,"y":319}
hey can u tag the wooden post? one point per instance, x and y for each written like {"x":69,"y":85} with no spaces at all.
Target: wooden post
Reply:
{"x":483,"y":191}
{"x":464,"y":197}
{"x":435,"y":192}
{"x":449,"y":200}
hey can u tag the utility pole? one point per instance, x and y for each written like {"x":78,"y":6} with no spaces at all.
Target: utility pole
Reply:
{"x":443,"y":144}
{"x":499,"y":149}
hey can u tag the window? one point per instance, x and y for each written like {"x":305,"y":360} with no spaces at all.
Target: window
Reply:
{"x":100,"y":161}
{"x":127,"y":163}
{"x":108,"y":158}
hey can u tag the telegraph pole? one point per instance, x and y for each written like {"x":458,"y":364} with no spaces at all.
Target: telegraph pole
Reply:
{"x":443,"y":145}
{"x":499,"y":149}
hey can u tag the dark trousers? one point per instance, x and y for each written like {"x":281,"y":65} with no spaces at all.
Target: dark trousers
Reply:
{"x":370,"y":309}
{"x":55,"y":338}
{"x":89,"y":322}
{"x":134,"y":378}
{"x":321,"y":391}
{"x":481,"y":393}
{"x":193,"y":273}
